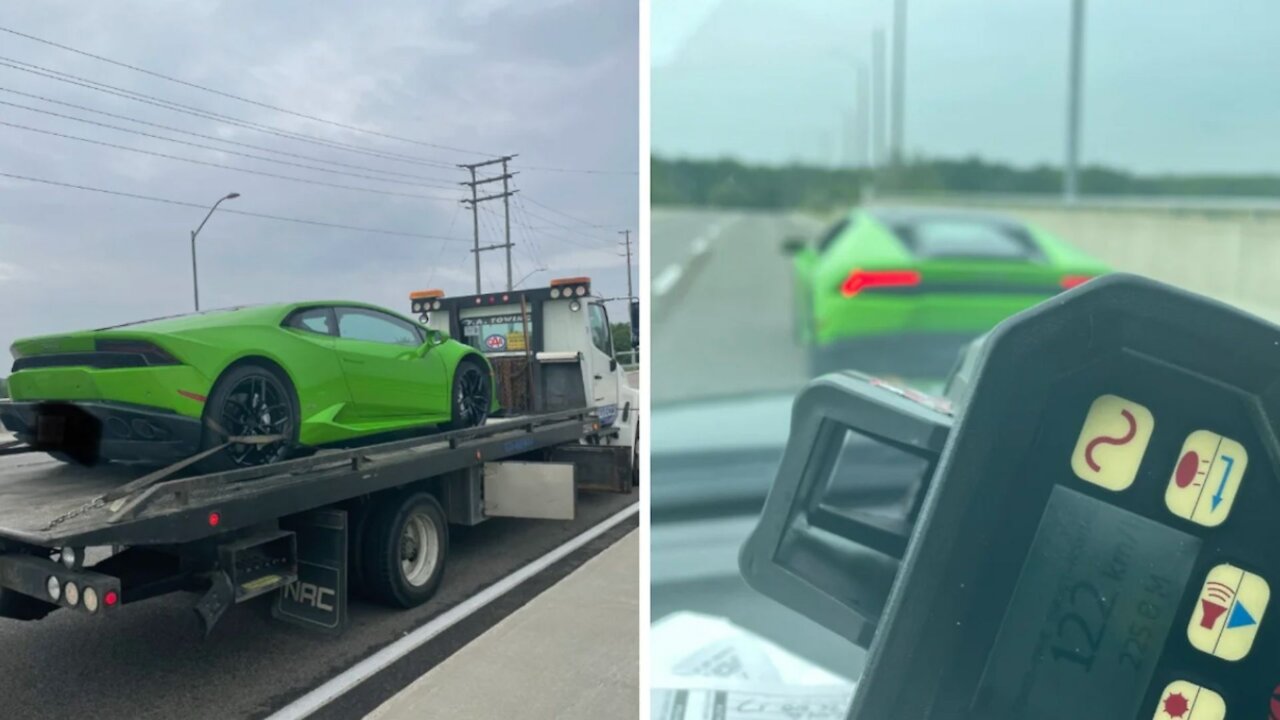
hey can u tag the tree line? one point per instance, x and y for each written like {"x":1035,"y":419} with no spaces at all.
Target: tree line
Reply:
{"x":730,"y":183}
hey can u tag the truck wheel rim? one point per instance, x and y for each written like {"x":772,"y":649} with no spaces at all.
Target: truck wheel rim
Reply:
{"x":473,"y":395}
{"x":257,"y":405}
{"x":419,"y":549}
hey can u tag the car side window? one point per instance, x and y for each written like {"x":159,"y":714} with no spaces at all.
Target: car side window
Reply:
{"x":374,"y":326}
{"x":317,"y":320}
{"x":600,"y":335}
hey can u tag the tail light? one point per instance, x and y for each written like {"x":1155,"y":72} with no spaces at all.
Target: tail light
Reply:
{"x":860,"y":280}
{"x":1069,"y":281}
{"x":152,"y":353}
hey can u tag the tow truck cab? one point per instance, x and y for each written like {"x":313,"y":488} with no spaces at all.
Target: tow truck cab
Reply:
{"x":551,"y":349}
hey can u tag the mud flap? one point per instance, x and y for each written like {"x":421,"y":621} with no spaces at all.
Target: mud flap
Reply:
{"x":220,"y":596}
{"x":318,"y":600}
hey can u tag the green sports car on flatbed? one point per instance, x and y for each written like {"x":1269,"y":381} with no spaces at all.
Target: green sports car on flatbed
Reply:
{"x":899,"y":291}
{"x":294,"y":375}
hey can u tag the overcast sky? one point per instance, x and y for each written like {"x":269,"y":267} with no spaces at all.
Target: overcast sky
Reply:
{"x":1174,"y":86}
{"x":552,"y":80}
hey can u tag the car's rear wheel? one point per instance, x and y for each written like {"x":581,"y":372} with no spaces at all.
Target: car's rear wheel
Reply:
{"x":250,"y":400}
{"x":471,"y":396}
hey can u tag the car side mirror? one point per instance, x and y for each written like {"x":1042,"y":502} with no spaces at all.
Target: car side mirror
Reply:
{"x":793,"y":245}
{"x":613,"y":364}
{"x":434,"y":338}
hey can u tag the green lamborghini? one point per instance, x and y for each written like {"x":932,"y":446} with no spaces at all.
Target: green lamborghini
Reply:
{"x":285,"y":378}
{"x":900,"y":290}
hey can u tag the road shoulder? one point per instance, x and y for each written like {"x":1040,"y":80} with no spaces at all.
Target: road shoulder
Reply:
{"x":569,"y":653}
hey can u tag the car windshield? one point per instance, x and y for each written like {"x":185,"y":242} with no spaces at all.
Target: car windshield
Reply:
{"x":870,"y":187}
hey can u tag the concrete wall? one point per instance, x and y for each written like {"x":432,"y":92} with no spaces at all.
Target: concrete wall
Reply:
{"x":1230,"y":251}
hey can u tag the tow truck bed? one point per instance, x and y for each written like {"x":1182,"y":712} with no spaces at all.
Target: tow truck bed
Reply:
{"x":51,"y":506}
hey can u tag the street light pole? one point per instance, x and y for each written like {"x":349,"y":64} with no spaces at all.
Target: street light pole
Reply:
{"x":195,"y":277}
{"x":1071,"y":169}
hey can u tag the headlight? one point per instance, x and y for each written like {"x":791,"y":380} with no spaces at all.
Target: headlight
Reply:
{"x":54,"y":588}
{"x":575,"y":306}
{"x":90,"y":599}
{"x":417,"y":307}
{"x":435,"y":305}
{"x":69,"y":557}
{"x":555,"y":293}
{"x":73,"y":593}
{"x":582,"y":290}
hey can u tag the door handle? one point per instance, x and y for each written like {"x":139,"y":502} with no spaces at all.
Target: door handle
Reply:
{"x":599,"y":377}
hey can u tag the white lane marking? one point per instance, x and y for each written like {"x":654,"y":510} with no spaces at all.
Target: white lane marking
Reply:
{"x":666,"y":280}
{"x":342,"y":683}
{"x":670,"y":276}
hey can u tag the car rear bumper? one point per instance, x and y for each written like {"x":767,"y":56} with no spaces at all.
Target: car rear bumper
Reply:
{"x":92,"y":431}
{"x":838,"y":318}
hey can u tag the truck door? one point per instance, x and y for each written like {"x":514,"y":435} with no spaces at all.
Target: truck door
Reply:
{"x":603,"y":369}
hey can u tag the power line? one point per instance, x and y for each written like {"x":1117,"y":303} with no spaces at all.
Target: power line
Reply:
{"x":268,"y":106}
{"x":562,"y":238}
{"x":216,"y":138}
{"x":443,"y":244}
{"x":222,"y":150}
{"x":227,"y":167}
{"x":581,"y":170}
{"x":210,"y":115}
{"x":202,"y":206}
{"x":578,"y":220}
{"x":564,"y":227}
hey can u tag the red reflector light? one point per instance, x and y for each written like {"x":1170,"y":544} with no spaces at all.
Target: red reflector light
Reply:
{"x":194,"y":396}
{"x":111,"y":598}
{"x":1070,"y":281}
{"x":860,"y":280}
{"x":214,"y":519}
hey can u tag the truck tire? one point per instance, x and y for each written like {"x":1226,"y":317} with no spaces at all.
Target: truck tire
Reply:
{"x":403,"y":554}
{"x":17,"y":606}
{"x":471,"y":383}
{"x":242,"y":386}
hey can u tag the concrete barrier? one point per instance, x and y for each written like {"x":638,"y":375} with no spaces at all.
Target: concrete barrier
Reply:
{"x":1229,"y":250}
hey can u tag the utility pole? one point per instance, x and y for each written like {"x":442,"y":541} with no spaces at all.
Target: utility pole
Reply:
{"x":506,"y":217}
{"x":896,"y":150}
{"x":862,"y":125}
{"x":877,"y":98}
{"x":1070,"y":180}
{"x":627,"y":239}
{"x":475,"y":201}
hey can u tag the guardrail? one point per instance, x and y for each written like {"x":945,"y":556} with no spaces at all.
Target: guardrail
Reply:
{"x":1161,"y":203}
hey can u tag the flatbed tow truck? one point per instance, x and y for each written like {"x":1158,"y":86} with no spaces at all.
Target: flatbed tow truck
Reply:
{"x":373,"y":519}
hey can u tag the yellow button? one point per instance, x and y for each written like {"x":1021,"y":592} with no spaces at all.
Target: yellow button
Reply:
{"x":1228,"y":612}
{"x":1182,"y":700}
{"x":1112,"y":442}
{"x":1206,"y":478}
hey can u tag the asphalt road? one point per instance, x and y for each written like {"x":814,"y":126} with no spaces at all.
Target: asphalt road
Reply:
{"x":721,"y":319}
{"x":149,"y":660}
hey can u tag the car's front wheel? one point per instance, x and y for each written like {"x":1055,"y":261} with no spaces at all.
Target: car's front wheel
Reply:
{"x":471,"y":395}
{"x":249,"y":401}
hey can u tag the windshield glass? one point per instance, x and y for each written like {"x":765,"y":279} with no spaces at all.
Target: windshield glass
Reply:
{"x":869,"y":186}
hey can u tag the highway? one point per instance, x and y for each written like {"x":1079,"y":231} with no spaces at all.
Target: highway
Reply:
{"x":149,"y":660}
{"x":721,"y":317}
